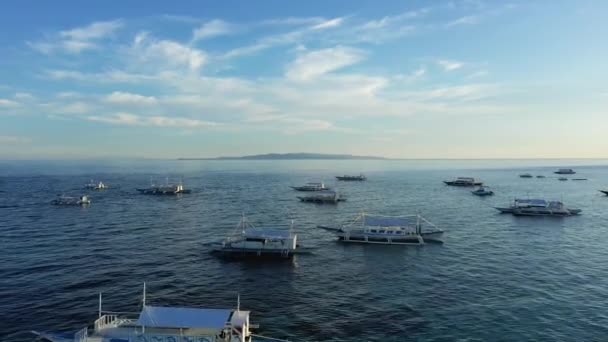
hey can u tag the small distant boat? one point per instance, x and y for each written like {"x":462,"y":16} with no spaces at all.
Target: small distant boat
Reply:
{"x":95,"y":186}
{"x":483,"y":191}
{"x":387,"y":230}
{"x":167,"y":189}
{"x":540,"y":176}
{"x":311,"y":187}
{"x":164,"y":324}
{"x":562,"y":179}
{"x":565,"y":172}
{"x":327,"y":196}
{"x":68,"y":200}
{"x":538,"y":207}
{"x":525,"y":175}
{"x":464,"y":181}
{"x":360,"y":177}
{"x":249,"y":240}
{"x":579,"y":179}
{"x":605,"y":192}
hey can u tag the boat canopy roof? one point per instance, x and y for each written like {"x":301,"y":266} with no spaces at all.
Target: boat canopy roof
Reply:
{"x":387,"y":221}
{"x":538,"y":202}
{"x":267,"y":233}
{"x":170,"y":317}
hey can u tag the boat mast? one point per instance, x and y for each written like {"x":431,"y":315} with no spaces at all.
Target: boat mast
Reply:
{"x":99,"y":305}
{"x":144,"y":296}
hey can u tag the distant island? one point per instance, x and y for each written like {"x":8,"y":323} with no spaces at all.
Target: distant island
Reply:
{"x":291,"y":156}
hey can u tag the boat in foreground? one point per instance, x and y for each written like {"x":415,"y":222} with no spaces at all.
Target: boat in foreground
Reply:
{"x":565,"y":172}
{"x":73,"y":201}
{"x":538,"y":207}
{"x":164,"y":324}
{"x":388,"y":230}
{"x":464,"y":181}
{"x":167,"y":189}
{"x":483,"y":191}
{"x":326,"y":196}
{"x":360,"y":177}
{"x":249,"y":240}
{"x":311,"y":187}
{"x":605,"y":192}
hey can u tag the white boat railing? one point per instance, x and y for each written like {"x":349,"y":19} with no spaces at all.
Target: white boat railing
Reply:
{"x":81,"y":335}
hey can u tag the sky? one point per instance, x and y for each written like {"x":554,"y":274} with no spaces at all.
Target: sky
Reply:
{"x":401,"y":79}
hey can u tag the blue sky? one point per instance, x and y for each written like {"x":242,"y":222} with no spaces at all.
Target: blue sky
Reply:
{"x":410,"y":79}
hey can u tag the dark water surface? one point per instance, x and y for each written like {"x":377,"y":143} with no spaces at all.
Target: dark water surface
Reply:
{"x":496,"y":277}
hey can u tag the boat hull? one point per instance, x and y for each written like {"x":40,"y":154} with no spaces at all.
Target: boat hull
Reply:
{"x":605,"y":192}
{"x":342,"y":178}
{"x":160,"y":192}
{"x":357,"y":237}
{"x":454,"y":183}
{"x":258,"y":252}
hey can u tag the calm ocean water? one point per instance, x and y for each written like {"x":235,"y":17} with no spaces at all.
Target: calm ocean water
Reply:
{"x":496,"y":277}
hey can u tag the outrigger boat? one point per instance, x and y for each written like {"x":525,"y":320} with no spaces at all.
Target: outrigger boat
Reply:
{"x":387,"y":230}
{"x":95,"y":186}
{"x":538,"y":207}
{"x":525,"y":175}
{"x":464,"y":181}
{"x":327,"y":196}
{"x":249,"y":240}
{"x":68,"y":200}
{"x":360,"y":177}
{"x":164,"y":324}
{"x":167,"y":189}
{"x":605,"y":192}
{"x":311,"y":187}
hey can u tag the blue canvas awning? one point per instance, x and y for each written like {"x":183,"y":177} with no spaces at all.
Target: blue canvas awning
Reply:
{"x":168,"y":317}
{"x":380,"y":221}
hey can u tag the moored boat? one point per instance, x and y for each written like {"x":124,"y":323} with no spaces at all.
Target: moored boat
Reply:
{"x":327,"y":196}
{"x":464,"y":181}
{"x":166,"y":189}
{"x":540,"y":176}
{"x":483,"y":191}
{"x":538,"y":207}
{"x":565,"y":172}
{"x":562,"y":179}
{"x":164,"y":324}
{"x":311,"y":187}
{"x":95,"y":186}
{"x":526,"y":175}
{"x":605,"y":192}
{"x":250,"y":240}
{"x":360,"y":177}
{"x":73,"y":201}
{"x":388,"y":230}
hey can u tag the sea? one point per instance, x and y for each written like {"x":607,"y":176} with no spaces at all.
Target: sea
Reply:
{"x":495,"y":278}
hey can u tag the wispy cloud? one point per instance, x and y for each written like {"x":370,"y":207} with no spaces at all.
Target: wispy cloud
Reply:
{"x":448,"y":65}
{"x":78,"y":39}
{"x":129,"y":119}
{"x":11,"y":139}
{"x":8,"y":103}
{"x":328,"y":24}
{"x":146,"y":49}
{"x":315,"y":63}
{"x":467,"y":20}
{"x":212,"y":29}
{"x":119,"y":97}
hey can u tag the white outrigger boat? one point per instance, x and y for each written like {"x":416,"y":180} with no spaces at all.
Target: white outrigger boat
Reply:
{"x":565,"y":172}
{"x":360,"y":177}
{"x":464,"y":181}
{"x":249,"y":240}
{"x":73,"y":201}
{"x":166,"y":189}
{"x":311,"y":187}
{"x":538,"y":207}
{"x":327,"y":196}
{"x":388,"y":230}
{"x":95,"y":186}
{"x":164,"y":324}
{"x":483,"y":191}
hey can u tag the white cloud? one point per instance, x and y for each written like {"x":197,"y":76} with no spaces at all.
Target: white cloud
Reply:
{"x":129,"y":119}
{"x":8,"y":103}
{"x":328,"y":24}
{"x":78,"y":39}
{"x":74,"y":108}
{"x":165,"y":52}
{"x":211,"y":29}
{"x":467,"y":20}
{"x":319,"y":62}
{"x":23,"y":96}
{"x":414,"y":75}
{"x":448,"y":65}
{"x":11,"y":139}
{"x":129,"y":98}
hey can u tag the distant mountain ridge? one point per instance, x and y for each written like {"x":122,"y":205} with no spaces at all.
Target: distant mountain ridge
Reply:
{"x":291,"y":156}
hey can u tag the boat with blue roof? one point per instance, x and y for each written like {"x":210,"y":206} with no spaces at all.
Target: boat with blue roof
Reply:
{"x":260,"y":241}
{"x":164,"y":324}
{"x":388,"y":230}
